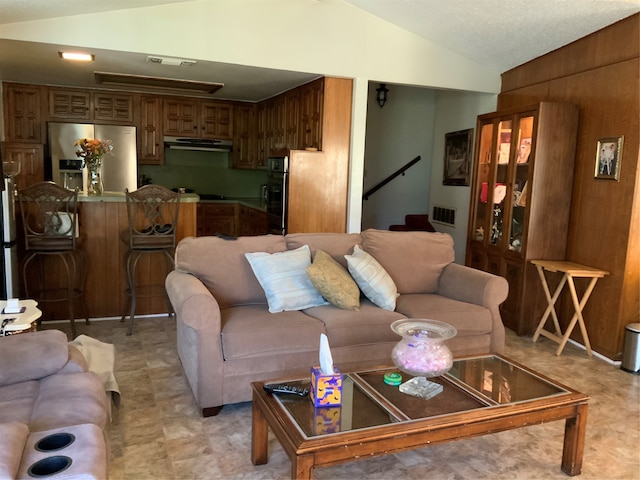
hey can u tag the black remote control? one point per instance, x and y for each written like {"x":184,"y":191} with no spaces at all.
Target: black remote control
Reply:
{"x":289,"y":389}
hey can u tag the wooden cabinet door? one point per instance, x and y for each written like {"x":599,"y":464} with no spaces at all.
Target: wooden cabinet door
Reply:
{"x":22,"y":113}
{"x":150,"y":143}
{"x":215,"y":218}
{"x":311,"y":107}
{"x":216,"y":120}
{"x":251,"y":221}
{"x":278,"y":137}
{"x":180,"y":117}
{"x":31,"y":159}
{"x":69,"y":105}
{"x":244,"y":138}
{"x":261,"y":136}
{"x":113,"y":108}
{"x":292,"y":119}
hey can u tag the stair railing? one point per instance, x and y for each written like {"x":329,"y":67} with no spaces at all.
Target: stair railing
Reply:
{"x":395,"y":174}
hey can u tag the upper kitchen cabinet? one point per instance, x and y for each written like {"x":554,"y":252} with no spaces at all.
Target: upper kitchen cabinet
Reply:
{"x":198,"y":118}
{"x":244,"y":154}
{"x":521,"y":200}
{"x":311,"y":110}
{"x":150,"y":142}
{"x":23,"y":113}
{"x":84,"y":106}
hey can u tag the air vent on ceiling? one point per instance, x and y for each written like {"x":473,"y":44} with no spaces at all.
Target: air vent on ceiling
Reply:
{"x":162,"y":83}
{"x":444,"y":215}
{"x":174,"y":62}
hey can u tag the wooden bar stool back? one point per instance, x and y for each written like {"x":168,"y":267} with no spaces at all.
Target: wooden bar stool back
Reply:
{"x":153,"y":218}
{"x":50,"y":220}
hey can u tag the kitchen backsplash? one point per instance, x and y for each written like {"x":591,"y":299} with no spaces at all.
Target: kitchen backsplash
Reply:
{"x":205,"y":172}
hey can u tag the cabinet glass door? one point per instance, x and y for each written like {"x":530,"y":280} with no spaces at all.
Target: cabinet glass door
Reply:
{"x":483,"y":208}
{"x":499,"y":194}
{"x":520,"y":183}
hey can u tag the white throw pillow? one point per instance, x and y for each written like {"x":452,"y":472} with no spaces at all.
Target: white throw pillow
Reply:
{"x":372,"y":278}
{"x":283,"y":277}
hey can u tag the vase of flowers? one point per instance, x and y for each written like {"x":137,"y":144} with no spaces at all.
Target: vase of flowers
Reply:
{"x":91,"y":151}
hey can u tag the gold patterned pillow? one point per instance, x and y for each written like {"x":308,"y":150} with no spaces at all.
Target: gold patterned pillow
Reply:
{"x":333,"y":282}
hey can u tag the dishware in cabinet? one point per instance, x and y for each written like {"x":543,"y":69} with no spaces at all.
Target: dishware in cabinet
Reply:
{"x":521,"y":199}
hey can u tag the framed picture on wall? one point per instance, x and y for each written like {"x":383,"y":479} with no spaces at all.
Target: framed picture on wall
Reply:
{"x":457,"y":157}
{"x":608,"y":156}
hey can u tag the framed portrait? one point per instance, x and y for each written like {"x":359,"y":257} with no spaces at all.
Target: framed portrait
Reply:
{"x":608,"y":157}
{"x":457,"y":157}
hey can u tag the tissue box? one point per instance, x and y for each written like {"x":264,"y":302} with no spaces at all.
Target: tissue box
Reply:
{"x":327,"y":420}
{"x":326,"y":390}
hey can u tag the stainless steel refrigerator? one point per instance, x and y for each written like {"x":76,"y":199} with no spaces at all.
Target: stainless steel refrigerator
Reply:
{"x":119,"y":167}
{"x":9,"y":287}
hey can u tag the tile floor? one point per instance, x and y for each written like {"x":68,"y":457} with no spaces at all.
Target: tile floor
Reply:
{"x":157,"y":433}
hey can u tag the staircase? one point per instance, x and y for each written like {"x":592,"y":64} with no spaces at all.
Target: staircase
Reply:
{"x":414,"y":222}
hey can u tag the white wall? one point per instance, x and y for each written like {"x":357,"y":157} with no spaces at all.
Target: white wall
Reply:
{"x":396,"y":134}
{"x":455,"y":111}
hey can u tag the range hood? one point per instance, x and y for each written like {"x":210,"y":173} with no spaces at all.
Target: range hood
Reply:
{"x":198,"y":144}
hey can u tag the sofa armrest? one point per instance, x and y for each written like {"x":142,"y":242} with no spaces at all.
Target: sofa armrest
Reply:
{"x":470,"y":285}
{"x":31,"y":356}
{"x":199,"y":336}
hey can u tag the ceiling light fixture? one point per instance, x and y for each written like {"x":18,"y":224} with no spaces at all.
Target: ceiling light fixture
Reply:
{"x":382,"y":94}
{"x":79,"y":57}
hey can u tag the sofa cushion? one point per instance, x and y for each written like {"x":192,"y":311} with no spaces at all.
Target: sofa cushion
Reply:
{"x":283,"y":277}
{"x":414,"y":260}
{"x":17,"y":401}
{"x":222,"y":267}
{"x":251,"y":331}
{"x":14,"y":438}
{"x":368,"y":325}
{"x":333,"y":282}
{"x":69,"y":399}
{"x":21,"y":356}
{"x":467,"y":318}
{"x":335,"y":244}
{"x":372,"y":279}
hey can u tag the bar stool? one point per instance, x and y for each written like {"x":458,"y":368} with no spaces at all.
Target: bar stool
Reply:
{"x":153,"y":219}
{"x":50,"y":222}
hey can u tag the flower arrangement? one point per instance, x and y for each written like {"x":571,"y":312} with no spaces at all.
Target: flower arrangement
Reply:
{"x":92,"y":151}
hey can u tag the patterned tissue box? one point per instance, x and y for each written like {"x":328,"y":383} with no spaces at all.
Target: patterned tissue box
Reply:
{"x":326,"y":390}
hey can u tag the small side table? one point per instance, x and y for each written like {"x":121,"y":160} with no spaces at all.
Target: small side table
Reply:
{"x":570,"y":271}
{"x":24,"y":322}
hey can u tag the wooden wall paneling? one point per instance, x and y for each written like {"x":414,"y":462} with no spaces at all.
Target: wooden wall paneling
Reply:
{"x":603,"y":228}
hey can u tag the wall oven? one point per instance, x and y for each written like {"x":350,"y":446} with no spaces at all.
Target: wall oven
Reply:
{"x":277,"y":175}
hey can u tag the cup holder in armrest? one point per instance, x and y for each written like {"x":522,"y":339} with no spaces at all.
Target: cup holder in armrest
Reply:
{"x":49,"y":466}
{"x":55,"y":441}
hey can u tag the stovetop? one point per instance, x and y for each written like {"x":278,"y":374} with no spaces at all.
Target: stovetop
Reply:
{"x":211,"y":196}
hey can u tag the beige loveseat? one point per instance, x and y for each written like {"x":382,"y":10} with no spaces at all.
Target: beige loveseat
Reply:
{"x":227,"y":337}
{"x":53,"y":411}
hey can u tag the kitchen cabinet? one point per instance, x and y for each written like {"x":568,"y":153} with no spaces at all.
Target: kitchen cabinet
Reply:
{"x":23,"y":113}
{"x":198,"y":119}
{"x":251,"y":221}
{"x":78,"y":105}
{"x":311,"y":110}
{"x":111,"y":107}
{"x":245,"y":152}
{"x":261,"y":134}
{"x":150,"y":141}
{"x":31,"y":159}
{"x":521,"y":200}
{"x":215,"y":218}
{"x":69,"y":105}
{"x":292,"y":119}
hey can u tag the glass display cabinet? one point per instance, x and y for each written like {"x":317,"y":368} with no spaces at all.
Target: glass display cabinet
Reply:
{"x":521,"y":200}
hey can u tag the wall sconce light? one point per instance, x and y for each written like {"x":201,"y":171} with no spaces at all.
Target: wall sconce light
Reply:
{"x":382,"y":94}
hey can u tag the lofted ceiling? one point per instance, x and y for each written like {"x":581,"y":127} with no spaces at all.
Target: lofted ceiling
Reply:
{"x":499,"y":34}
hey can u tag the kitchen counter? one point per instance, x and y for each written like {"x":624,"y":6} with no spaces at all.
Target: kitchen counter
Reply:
{"x":255,"y":203}
{"x":120,"y":197}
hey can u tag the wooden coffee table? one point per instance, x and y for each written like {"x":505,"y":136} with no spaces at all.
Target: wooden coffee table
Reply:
{"x":481,"y":395}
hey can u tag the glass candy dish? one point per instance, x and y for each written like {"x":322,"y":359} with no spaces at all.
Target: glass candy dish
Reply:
{"x":422,"y":352}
